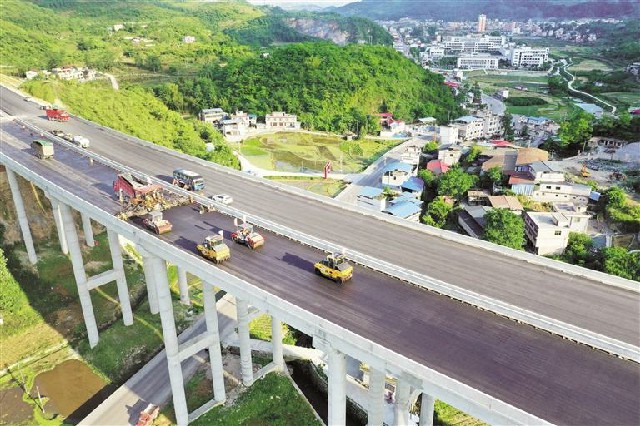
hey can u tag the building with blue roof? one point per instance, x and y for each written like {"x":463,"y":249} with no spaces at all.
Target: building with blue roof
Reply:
{"x":396,"y":173}
{"x":371,"y":198}
{"x":414,"y":185}
{"x":409,"y":210}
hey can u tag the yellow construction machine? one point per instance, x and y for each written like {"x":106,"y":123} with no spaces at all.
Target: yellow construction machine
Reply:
{"x":335,"y":267}
{"x":214,"y":249}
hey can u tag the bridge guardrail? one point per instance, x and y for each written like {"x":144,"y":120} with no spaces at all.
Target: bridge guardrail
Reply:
{"x":613,"y":346}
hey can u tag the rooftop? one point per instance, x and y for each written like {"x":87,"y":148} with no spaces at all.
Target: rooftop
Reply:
{"x":530,"y":155}
{"x":370,"y":192}
{"x":414,"y":184}
{"x":468,"y":119}
{"x":404,"y":209}
{"x":505,"y":202}
{"x":397,"y":165}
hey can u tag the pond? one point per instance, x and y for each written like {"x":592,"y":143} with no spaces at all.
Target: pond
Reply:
{"x":68,"y":386}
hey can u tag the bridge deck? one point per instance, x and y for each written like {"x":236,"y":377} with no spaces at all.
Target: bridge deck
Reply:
{"x":545,"y":375}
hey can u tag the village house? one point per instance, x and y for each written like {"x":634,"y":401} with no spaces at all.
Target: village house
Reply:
{"x":281,"y":120}
{"x":449,"y":155}
{"x":404,"y":207}
{"x":396,"y":173}
{"x":505,"y":202}
{"x":471,"y":219}
{"x":213,"y":115}
{"x":371,"y":198}
{"x":548,"y":233}
{"x":469,"y":127}
{"x":233,"y":130}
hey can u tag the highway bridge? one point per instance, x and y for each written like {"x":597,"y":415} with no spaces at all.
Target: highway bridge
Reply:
{"x":495,"y":368}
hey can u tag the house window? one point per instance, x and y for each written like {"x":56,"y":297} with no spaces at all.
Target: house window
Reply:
{"x":557,"y":188}
{"x":557,"y":233}
{"x":548,"y":186}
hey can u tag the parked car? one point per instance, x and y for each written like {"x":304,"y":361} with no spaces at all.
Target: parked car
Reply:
{"x":59,"y":133}
{"x":222,"y":198}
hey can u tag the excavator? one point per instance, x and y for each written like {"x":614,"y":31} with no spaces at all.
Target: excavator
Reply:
{"x":214,"y":249}
{"x":335,"y":267}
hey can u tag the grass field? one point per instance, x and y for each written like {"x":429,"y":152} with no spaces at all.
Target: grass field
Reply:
{"x":631,"y":98}
{"x":260,"y":328}
{"x":580,"y":64}
{"x":293,"y":152}
{"x":328,"y":187}
{"x":271,"y":400}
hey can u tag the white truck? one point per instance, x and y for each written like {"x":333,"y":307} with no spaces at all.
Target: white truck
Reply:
{"x":81,"y":141}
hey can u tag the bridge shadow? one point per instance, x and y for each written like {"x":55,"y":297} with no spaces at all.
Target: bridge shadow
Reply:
{"x":297,"y":261}
{"x":166,"y":178}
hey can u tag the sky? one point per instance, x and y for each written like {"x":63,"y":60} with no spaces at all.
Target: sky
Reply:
{"x":313,"y":2}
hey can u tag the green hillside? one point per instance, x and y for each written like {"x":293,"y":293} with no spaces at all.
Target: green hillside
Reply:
{"x":329,"y":87}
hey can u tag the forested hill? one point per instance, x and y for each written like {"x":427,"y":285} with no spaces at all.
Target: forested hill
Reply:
{"x":329,"y":87}
{"x":148,"y":34}
{"x":457,"y":10}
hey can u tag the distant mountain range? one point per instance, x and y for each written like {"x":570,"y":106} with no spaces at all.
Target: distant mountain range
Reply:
{"x":460,"y":10}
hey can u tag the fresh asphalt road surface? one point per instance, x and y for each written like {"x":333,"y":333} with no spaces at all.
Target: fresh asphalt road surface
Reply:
{"x":582,"y":302}
{"x":555,"y":379}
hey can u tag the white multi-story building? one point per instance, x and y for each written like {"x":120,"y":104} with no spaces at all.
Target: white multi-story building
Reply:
{"x":469,"y":127}
{"x":281,"y":120}
{"x":527,"y":56}
{"x":212,"y":115}
{"x":472,"y":43}
{"x":562,"y":192}
{"x":549,"y":232}
{"x":492,"y":123}
{"x":448,"y":134}
{"x":234,"y":130}
{"x":475,"y":61}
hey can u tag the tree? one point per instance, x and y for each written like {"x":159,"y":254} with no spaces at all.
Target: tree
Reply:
{"x":576,"y":131}
{"x":455,"y":183}
{"x":505,"y":228}
{"x":507,"y":125}
{"x":618,"y":261}
{"x":437,"y":213}
{"x":430,"y":146}
{"x":473,"y":153}
{"x":615,"y":198}
{"x":495,"y":174}
{"x":579,"y":250}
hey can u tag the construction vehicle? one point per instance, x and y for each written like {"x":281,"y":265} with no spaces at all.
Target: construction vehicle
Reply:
{"x":42,"y":148}
{"x":616,"y":175}
{"x":335,"y":267}
{"x":214,"y":249}
{"x":155,"y":222}
{"x":138,"y":195}
{"x":148,"y":415}
{"x":584,"y":172}
{"x":55,"y":114}
{"x":247,"y":236}
{"x":81,"y":141}
{"x":191,"y":181}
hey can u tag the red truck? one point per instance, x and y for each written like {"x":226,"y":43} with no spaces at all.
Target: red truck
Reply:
{"x":55,"y":114}
{"x":135,"y":190}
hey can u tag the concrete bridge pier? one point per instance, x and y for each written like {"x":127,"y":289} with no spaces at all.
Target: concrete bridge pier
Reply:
{"x":57,"y":218}
{"x":150,"y":280}
{"x":401,"y":409}
{"x":426,"y":410}
{"x":215,"y":354}
{"x":337,"y":388}
{"x":159,"y":268}
{"x":87,"y":229}
{"x":246,"y":365}
{"x":22,"y":216}
{"x":183,"y":286}
{"x":79,"y":273}
{"x":121,"y":279}
{"x":376,"y":396}
{"x":276,"y":342}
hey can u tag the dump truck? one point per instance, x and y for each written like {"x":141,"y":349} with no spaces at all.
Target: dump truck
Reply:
{"x":55,"y":114}
{"x":245,"y":235}
{"x":155,"y":222}
{"x":335,"y":267}
{"x":42,"y":148}
{"x":148,"y":415}
{"x":214,"y":249}
{"x":191,"y":181}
